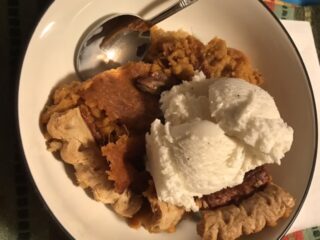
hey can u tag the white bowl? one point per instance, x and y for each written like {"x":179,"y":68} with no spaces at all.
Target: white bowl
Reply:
{"x":245,"y":25}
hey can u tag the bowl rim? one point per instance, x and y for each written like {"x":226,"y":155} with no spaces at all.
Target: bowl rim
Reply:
{"x":33,"y":183}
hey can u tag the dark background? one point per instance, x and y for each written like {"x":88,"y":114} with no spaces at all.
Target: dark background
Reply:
{"x":22,"y":214}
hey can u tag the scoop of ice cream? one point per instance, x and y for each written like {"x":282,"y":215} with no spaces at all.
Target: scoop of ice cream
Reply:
{"x":214,"y":132}
{"x":249,"y":113}
{"x":192,"y":159}
{"x":187,"y":101}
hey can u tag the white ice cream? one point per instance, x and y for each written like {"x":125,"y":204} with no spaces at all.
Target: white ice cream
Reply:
{"x":250,"y":114}
{"x":214,"y":132}
{"x":192,"y":159}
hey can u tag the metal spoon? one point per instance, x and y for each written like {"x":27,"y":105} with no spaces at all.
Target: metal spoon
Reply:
{"x":110,"y":42}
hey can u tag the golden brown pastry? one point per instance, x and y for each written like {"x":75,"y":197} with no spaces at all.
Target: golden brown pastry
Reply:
{"x":222,"y":61}
{"x":177,"y":53}
{"x":157,"y":216}
{"x":115,"y":93}
{"x":264,"y":208}
{"x":79,"y":149}
{"x":64,"y":97}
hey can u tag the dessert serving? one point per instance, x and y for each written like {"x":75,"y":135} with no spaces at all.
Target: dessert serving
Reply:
{"x":188,"y":130}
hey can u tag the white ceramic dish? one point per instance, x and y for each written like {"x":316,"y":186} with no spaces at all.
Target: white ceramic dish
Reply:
{"x":245,"y":25}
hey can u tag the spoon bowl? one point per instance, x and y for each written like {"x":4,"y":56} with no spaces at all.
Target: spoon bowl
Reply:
{"x":110,"y":43}
{"x":117,"y":40}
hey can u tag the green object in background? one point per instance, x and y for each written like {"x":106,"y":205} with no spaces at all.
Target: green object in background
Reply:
{"x":285,"y":12}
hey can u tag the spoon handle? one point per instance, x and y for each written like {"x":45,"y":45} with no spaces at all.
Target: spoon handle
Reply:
{"x":170,"y":11}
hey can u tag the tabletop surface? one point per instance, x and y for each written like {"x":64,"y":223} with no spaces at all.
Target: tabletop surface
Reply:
{"x":22,"y":213}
